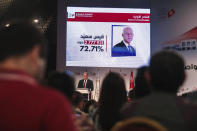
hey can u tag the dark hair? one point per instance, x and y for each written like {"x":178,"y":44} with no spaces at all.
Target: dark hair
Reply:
{"x":113,"y":95}
{"x":131,"y":95}
{"x":77,"y":98}
{"x":167,"y":71}
{"x":88,"y":104}
{"x":62,"y":82}
{"x":141,"y":88}
{"x":19,"y":38}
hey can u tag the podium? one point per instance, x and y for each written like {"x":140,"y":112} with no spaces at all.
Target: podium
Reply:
{"x":86,"y":93}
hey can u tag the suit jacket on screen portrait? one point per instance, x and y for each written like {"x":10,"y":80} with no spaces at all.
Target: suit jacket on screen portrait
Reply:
{"x":89,"y":84}
{"x":120,"y":49}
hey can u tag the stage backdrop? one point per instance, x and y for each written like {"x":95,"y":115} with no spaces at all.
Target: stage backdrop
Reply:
{"x":174,"y":26}
{"x":98,"y":74}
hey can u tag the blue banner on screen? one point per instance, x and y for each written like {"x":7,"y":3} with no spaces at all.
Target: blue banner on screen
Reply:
{"x":107,"y":37}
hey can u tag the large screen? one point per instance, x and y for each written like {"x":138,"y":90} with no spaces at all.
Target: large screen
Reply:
{"x":107,"y":37}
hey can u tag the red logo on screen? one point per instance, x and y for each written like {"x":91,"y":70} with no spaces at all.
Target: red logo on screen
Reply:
{"x":171,"y":12}
{"x":71,"y":15}
{"x":93,"y":42}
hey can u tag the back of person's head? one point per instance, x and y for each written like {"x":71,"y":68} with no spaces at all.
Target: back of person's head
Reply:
{"x":19,"y":38}
{"x":23,"y":46}
{"x":142,"y":87}
{"x":88,"y":104}
{"x":113,"y":85}
{"x":77,"y":99}
{"x":131,"y":95}
{"x":113,"y":95}
{"x":62,"y":82}
{"x":166,"y":71}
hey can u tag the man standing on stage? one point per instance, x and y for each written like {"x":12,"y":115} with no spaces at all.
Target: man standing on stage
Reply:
{"x":86,"y":83}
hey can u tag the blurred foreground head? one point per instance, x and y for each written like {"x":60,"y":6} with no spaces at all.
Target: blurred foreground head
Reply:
{"x":167,"y":71}
{"x":112,"y":97}
{"x":63,"y":82}
{"x":23,"y":47}
{"x":142,"y":87}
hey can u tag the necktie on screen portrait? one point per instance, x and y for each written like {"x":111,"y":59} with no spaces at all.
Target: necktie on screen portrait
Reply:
{"x":130,"y":49}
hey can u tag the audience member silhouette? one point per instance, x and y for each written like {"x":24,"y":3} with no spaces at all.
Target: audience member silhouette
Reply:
{"x":112,"y":97}
{"x":88,"y":105}
{"x":141,"y":88}
{"x":63,"y":83}
{"x":166,"y":75}
{"x":26,"y":105}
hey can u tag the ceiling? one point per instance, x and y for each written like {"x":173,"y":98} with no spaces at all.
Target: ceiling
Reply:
{"x":43,"y":10}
